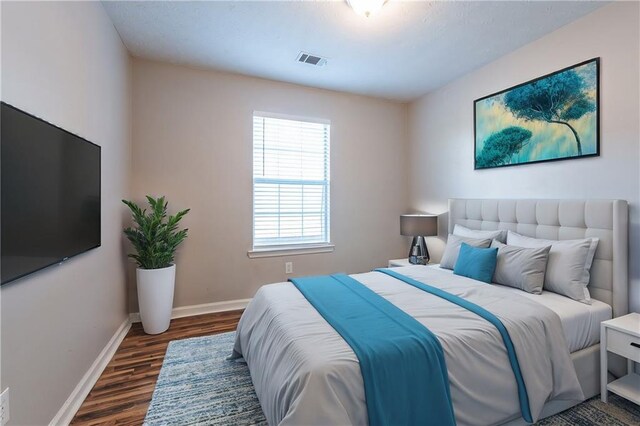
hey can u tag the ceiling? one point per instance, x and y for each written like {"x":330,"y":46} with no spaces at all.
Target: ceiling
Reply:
{"x":403,"y":52}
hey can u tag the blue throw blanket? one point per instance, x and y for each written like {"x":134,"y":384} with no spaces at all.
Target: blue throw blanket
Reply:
{"x":402,"y":362}
{"x":511,"y":352}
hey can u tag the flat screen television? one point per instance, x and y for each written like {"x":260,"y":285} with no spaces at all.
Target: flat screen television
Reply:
{"x":50,"y":199}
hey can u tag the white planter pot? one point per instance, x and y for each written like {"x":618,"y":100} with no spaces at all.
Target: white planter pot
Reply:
{"x":155,"y":297}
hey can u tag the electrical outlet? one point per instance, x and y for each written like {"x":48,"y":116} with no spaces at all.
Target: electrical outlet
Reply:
{"x":4,"y":407}
{"x":288,"y":268}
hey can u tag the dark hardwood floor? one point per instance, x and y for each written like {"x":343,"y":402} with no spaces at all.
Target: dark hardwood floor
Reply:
{"x":123,"y":392}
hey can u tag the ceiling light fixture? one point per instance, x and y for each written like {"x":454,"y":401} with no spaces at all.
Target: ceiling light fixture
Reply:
{"x":366,"y":8}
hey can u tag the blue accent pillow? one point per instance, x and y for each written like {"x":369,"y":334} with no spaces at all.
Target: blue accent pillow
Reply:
{"x":477,"y":263}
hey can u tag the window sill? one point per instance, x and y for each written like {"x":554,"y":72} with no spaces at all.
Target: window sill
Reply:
{"x":290,"y":251}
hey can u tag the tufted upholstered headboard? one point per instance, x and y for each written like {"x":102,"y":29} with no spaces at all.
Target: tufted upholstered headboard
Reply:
{"x":563,"y":220}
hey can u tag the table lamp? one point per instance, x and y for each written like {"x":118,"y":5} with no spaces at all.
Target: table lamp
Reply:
{"x":418,"y":226}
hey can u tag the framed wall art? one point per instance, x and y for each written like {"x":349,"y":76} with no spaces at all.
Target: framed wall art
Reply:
{"x":553,"y":117}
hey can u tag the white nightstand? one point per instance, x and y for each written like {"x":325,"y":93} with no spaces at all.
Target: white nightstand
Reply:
{"x":621,"y":336}
{"x":395,"y":263}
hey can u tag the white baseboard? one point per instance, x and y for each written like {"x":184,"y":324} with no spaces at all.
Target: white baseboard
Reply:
{"x":79,"y":394}
{"x":205,"y":308}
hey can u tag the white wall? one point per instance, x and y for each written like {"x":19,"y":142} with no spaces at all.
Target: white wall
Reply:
{"x":441,"y":127}
{"x":64,"y":62}
{"x":192,"y":141}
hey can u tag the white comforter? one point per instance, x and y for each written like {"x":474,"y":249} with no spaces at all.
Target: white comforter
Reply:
{"x":304,"y":373}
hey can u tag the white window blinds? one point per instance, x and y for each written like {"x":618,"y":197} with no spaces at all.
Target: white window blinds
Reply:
{"x":290,"y":182}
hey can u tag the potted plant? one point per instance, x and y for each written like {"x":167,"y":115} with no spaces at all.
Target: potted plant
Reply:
{"x":155,"y":239}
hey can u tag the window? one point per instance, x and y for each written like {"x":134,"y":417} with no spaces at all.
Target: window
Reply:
{"x":290,"y":182}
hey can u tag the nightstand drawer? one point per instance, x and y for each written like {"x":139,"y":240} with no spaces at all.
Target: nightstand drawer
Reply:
{"x":623,"y":344}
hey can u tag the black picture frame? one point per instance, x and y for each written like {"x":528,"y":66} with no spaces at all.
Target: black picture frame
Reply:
{"x":546,"y":160}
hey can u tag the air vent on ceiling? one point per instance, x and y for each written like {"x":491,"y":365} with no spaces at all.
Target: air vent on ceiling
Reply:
{"x":307,"y":58}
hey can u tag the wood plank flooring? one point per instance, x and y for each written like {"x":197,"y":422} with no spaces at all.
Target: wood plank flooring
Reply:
{"x":123,"y":392}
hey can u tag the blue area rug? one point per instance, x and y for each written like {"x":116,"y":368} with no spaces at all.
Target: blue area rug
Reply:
{"x":199,"y":386}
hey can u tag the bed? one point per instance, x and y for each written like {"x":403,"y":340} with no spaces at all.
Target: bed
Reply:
{"x":305,"y":373}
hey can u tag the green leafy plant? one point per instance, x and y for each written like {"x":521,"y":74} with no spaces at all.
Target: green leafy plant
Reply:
{"x":155,"y":236}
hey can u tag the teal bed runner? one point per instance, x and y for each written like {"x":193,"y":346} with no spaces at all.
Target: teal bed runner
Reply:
{"x":511,"y":352}
{"x":402,"y":363}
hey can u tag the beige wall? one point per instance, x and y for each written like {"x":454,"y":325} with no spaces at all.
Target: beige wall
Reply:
{"x":441,"y":127}
{"x":64,"y":62}
{"x":192,"y":141}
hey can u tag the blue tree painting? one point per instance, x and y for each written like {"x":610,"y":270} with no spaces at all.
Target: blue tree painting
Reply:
{"x":552,"y":117}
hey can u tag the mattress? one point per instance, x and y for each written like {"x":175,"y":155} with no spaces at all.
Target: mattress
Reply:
{"x":580,"y":322}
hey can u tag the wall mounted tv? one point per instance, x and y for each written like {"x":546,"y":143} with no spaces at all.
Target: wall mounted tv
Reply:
{"x":50,"y":199}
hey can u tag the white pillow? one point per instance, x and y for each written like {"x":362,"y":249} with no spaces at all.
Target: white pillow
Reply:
{"x":568,"y":266}
{"x":521,"y":267}
{"x":499,"y":234}
{"x":451,"y":251}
